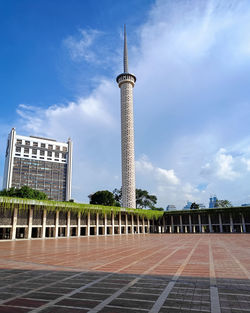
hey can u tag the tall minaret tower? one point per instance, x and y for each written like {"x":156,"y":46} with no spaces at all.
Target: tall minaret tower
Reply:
{"x":126,"y":82}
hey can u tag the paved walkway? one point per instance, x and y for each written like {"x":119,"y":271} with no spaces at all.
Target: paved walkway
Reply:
{"x":127,"y":274}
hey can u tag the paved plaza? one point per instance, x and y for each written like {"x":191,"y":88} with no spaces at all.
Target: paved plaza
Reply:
{"x":127,"y":273}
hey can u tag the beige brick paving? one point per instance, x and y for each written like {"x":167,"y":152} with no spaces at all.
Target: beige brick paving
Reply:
{"x":127,"y":273}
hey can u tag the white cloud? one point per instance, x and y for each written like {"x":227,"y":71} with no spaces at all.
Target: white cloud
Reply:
{"x":81,"y":47}
{"x":247,"y":162}
{"x":144,"y":166}
{"x":225,"y":165}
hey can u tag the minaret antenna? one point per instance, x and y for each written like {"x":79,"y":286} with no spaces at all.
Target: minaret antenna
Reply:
{"x":125,"y":52}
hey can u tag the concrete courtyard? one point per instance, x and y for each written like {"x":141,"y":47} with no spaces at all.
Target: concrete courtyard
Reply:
{"x":127,"y":273}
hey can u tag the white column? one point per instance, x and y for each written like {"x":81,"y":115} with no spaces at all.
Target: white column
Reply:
{"x":181,"y":225}
{"x":14,"y":222}
{"x":44,"y":223}
{"x":105,"y":224}
{"x":143,"y":225}
{"x":97,"y":224}
{"x":120,"y":223}
{"x":113,"y":223}
{"x":138,"y":224}
{"x":132,"y":223}
{"x":148,"y":225}
{"x":68,"y":224}
{"x":79,"y":224}
{"x":126,"y":223}
{"x":190,"y":223}
{"x":210,"y":224}
{"x":231,"y":223}
{"x":164,"y":224}
{"x":30,"y":223}
{"x":199,"y":219}
{"x":243,"y":223}
{"x":172,"y":224}
{"x":57,"y":223}
{"x":88,"y":224}
{"x":220,"y":221}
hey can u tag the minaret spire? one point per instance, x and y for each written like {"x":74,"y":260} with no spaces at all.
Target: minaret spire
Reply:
{"x":126,"y":82}
{"x":125,"y":52}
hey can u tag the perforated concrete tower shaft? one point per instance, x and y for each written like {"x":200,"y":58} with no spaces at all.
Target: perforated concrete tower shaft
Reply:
{"x":126,"y":82}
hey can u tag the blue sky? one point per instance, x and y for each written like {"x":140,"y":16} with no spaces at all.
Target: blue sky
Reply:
{"x":59,"y":60}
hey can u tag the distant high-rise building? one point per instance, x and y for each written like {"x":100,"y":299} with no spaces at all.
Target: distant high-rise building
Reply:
{"x":212,"y":202}
{"x":171,"y":207}
{"x":187,"y":206}
{"x":201,"y":205}
{"x":126,"y":82}
{"x":40,"y":163}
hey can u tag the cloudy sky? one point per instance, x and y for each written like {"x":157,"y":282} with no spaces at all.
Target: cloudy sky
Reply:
{"x":59,"y":60}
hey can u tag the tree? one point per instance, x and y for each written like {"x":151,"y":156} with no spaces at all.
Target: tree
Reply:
{"x":223,"y":204}
{"x":118,"y":195}
{"x":103,"y":197}
{"x":194,"y":206}
{"x":24,"y":192}
{"x":144,"y":199}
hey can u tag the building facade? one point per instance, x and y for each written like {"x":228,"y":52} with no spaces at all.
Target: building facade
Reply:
{"x":126,"y":82}
{"x":40,"y":219}
{"x":212,"y":202}
{"x":40,"y":163}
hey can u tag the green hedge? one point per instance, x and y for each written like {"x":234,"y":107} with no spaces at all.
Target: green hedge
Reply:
{"x":25,"y":204}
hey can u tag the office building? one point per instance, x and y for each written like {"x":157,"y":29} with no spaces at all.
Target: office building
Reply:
{"x":171,"y":207}
{"x":212,"y":202}
{"x":40,"y":163}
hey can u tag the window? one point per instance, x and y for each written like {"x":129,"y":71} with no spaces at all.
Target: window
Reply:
{"x":58,"y":148}
{"x":50,"y":147}
{"x":26,"y":150}
{"x":27,"y":143}
{"x":18,"y":149}
{"x":34,"y":151}
{"x":19,"y":141}
{"x":49,"y":153}
{"x":56,"y":154}
{"x":65,"y":149}
{"x":35,"y":144}
{"x":64,"y":155}
{"x":41,"y":152}
{"x":42,"y":145}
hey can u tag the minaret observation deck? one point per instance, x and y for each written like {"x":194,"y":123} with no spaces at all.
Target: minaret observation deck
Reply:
{"x":126,"y":82}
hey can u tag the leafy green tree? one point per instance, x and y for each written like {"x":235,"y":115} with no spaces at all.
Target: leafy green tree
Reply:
{"x":144,"y":199}
{"x":194,"y":206}
{"x":24,"y":192}
{"x":223,"y":204}
{"x":118,"y":195}
{"x":103,"y":197}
